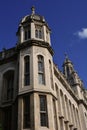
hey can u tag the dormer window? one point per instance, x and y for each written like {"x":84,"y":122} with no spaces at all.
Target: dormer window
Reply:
{"x":39,"y":32}
{"x":27,"y":33}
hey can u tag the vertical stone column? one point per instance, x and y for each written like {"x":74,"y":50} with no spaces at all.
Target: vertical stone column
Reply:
{"x":71,"y":115}
{"x":22,"y":34}
{"x":82,"y":118}
{"x":44,"y":33}
{"x":66,"y":125}
{"x":36,"y":112}
{"x":61,"y":121}
{"x":67,"y":114}
{"x":32,"y":111}
{"x":66,"y":108}
{"x":49,"y":38}
{"x":20,"y":114}
{"x":32,"y":30}
{"x":77,"y":119}
{"x":61,"y":103}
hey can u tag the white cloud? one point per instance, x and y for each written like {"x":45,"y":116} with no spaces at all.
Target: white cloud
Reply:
{"x":82,"y":34}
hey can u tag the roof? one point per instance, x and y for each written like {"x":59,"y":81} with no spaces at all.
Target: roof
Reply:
{"x":32,"y":16}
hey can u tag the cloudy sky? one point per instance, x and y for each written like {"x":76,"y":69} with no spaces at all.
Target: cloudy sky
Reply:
{"x":67,"y":20}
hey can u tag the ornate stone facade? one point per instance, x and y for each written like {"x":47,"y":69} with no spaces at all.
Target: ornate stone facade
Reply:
{"x":34,"y":93}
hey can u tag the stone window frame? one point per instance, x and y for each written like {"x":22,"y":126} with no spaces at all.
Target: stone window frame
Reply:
{"x":26,"y":70}
{"x":41,"y":69}
{"x":8,"y":85}
{"x":27,"y":33}
{"x":39,"y":32}
{"x":43,"y":111}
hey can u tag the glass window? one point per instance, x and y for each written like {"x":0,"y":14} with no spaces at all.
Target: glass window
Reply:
{"x":36,"y":33}
{"x":27,"y":70}
{"x":39,"y":32}
{"x":27,"y":34}
{"x":41,"y":77}
{"x":8,"y":82}
{"x":43,"y":111}
{"x":26,"y":112}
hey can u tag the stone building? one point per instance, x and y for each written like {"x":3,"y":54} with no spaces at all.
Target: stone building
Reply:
{"x":34,"y":93}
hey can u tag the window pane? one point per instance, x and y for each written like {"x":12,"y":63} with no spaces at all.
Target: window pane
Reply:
{"x":25,"y":36}
{"x":40,"y":34}
{"x":26,"y":101}
{"x":42,"y":103}
{"x":36,"y":33}
{"x":40,"y":66}
{"x":28,"y":34}
{"x":27,"y":70}
{"x":41,"y":75}
{"x":41,"y":78}
{"x":43,"y":118}
{"x":8,"y":82}
{"x":27,"y":81}
{"x":43,"y":111}
{"x":27,"y":67}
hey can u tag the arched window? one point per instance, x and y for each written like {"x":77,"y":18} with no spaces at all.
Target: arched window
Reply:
{"x":26,"y":70}
{"x":39,"y":32}
{"x":36,"y":33}
{"x":41,"y":76}
{"x":27,"y":33}
{"x":8,"y":83}
{"x":43,"y":111}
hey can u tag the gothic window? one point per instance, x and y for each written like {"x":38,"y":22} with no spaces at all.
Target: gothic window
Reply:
{"x":8,"y":82}
{"x":27,"y":33}
{"x":39,"y":32}
{"x":26,"y":111}
{"x":26,"y":70}
{"x":36,"y":33}
{"x":43,"y":111}
{"x":41,"y":77}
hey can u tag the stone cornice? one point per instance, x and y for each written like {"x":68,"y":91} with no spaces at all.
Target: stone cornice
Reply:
{"x":35,"y":43}
{"x":11,"y":54}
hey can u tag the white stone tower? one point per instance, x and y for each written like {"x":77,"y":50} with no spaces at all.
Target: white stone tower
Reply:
{"x":35,"y":74}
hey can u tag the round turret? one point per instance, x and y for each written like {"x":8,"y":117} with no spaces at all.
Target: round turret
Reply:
{"x":33,"y":26}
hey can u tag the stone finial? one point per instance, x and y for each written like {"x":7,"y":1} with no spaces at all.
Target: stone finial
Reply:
{"x":33,"y":10}
{"x":66,"y":56}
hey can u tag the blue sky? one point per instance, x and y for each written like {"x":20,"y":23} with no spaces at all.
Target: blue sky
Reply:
{"x":67,"y":20}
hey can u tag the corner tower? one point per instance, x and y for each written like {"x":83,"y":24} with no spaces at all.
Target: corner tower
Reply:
{"x":72,"y":77}
{"x":36,"y":75}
